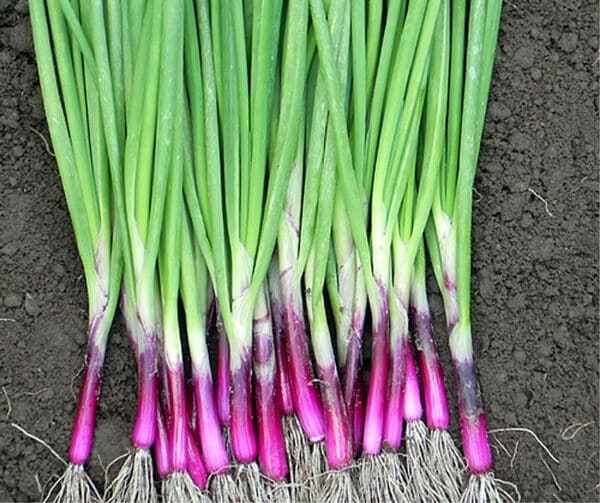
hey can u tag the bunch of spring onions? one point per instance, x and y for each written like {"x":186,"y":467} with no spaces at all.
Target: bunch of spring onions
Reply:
{"x":265,"y":180}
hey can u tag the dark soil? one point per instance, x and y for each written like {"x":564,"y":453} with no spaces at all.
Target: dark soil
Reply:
{"x":535,"y":309}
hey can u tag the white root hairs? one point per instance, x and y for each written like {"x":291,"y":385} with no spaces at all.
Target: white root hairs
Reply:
{"x":422,"y":481}
{"x":135,"y":481}
{"x":487,"y":489}
{"x":337,"y":485}
{"x":446,"y":463}
{"x":314,"y":469}
{"x":223,"y":488}
{"x":74,"y":486}
{"x":569,"y":433}
{"x":398,"y":476}
{"x":179,"y":487}
{"x":382,"y":477}
{"x":527,"y":430}
{"x":250,"y":484}
{"x":278,"y":492}
{"x":299,"y":454}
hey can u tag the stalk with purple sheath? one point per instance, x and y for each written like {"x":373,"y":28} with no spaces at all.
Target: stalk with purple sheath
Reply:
{"x":444,"y":458}
{"x":148,"y":157}
{"x":194,"y":293}
{"x":71,"y":95}
{"x":414,"y":214}
{"x":346,"y":286}
{"x":338,"y":439}
{"x":470,"y":77}
{"x":134,"y":480}
{"x":335,"y":483}
{"x":178,"y":486}
{"x":223,"y":381}
{"x":348,"y":334}
{"x":283,"y":388}
{"x":393,"y":257}
{"x":392,"y":167}
{"x":235,"y":213}
{"x":368,"y":54}
{"x":305,"y":427}
{"x":272,"y":458}
{"x":306,"y":402}
{"x":297,"y":446}
{"x":351,"y":193}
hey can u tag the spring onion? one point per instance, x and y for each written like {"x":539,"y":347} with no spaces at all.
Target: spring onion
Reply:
{"x":258,"y":183}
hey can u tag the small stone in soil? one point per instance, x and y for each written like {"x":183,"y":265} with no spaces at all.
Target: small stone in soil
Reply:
{"x":516,"y":302}
{"x":520,"y":356}
{"x":501,"y":376}
{"x":9,"y":249}
{"x":20,"y":37}
{"x":561,"y":337}
{"x":31,"y":306}
{"x":510,"y":419}
{"x":555,"y":396}
{"x":536,"y":74}
{"x":499,"y":111}
{"x":486,"y":288}
{"x":524,"y":57}
{"x":512,"y":208}
{"x":58,"y":269}
{"x":520,"y":400}
{"x":520,"y":184}
{"x":493,"y":167}
{"x":543,"y":249}
{"x":568,"y":42}
{"x":80,"y":337}
{"x":13,"y":300}
{"x":519,"y":142}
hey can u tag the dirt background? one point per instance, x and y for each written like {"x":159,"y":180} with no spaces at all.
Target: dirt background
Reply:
{"x":535,"y":307}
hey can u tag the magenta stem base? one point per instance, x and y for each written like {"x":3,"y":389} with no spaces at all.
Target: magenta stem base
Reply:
{"x":208,"y":427}
{"x":476,"y":446}
{"x":434,"y":390}
{"x":307,"y":405}
{"x":356,"y":415}
{"x":394,"y":410}
{"x":376,"y":396}
{"x":284,"y":388}
{"x":177,"y":425}
{"x":243,"y":436}
{"x":144,"y":430}
{"x":161,"y":448}
{"x":272,"y":457}
{"x":82,"y":438}
{"x":338,"y":436}
{"x":223,"y":376}
{"x":196,"y":468}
